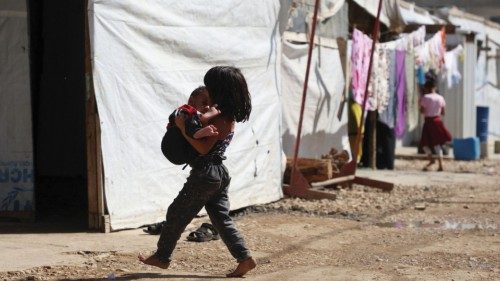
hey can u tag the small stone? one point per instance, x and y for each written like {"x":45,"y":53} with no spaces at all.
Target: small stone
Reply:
{"x":466,"y":206}
{"x":122,"y":270}
{"x":420,"y":207}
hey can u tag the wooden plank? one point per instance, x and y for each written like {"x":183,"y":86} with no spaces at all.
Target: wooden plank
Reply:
{"x":386,"y":186}
{"x":333,"y":181}
{"x":95,"y":186}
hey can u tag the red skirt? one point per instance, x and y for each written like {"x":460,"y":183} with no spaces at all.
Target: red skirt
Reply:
{"x":434,"y":132}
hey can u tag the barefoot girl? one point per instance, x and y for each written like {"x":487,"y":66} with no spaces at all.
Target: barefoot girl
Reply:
{"x":434,"y":133}
{"x":208,"y":182}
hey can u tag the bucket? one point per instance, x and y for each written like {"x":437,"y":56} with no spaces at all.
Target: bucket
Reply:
{"x":482,"y":113}
{"x":466,"y":149}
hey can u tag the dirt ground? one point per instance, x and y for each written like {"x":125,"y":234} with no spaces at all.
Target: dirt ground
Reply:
{"x":432,"y":226}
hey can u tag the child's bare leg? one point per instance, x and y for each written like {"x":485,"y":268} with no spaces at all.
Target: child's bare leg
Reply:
{"x":243,"y":267}
{"x":440,"y":161}
{"x":429,"y":157}
{"x":153,"y":261}
{"x":440,"y":157}
{"x":207,"y":131}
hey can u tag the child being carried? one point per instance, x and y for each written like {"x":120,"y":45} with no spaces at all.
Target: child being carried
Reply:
{"x":197,"y":113}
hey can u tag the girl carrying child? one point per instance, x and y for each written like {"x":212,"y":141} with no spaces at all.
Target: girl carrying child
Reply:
{"x":208,"y":183}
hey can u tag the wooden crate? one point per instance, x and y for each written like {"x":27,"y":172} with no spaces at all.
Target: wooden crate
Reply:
{"x":314,"y":170}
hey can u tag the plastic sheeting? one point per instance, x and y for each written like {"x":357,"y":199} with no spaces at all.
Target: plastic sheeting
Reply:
{"x":390,"y":15}
{"x":321,"y":130}
{"x":412,"y":14}
{"x":16,"y":148}
{"x":147,"y":58}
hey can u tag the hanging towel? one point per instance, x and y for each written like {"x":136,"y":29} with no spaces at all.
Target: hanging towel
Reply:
{"x":400,"y":128}
{"x":453,"y":75}
{"x":412,"y":108}
{"x":388,"y":116}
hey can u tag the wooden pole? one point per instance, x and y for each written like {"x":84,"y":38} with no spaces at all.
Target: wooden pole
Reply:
{"x":373,"y":139}
{"x":375,"y":32}
{"x":95,"y":181}
{"x":304,"y":91}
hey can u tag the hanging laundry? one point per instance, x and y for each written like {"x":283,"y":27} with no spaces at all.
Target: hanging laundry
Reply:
{"x":353,"y":122}
{"x":430,"y":55}
{"x":378,"y":90}
{"x":388,"y":116}
{"x":360,"y":59}
{"x":408,"y":40}
{"x":420,"y":75}
{"x":453,"y":75}
{"x":412,"y":96}
{"x":400,"y":128}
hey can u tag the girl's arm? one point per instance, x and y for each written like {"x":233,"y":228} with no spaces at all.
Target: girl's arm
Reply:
{"x":204,"y":145}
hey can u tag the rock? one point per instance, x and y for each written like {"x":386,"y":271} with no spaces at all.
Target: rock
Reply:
{"x":122,"y":270}
{"x":420,"y":207}
{"x":466,"y":206}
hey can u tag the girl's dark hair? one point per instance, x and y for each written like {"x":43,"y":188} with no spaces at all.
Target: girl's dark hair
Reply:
{"x":228,"y":89}
{"x":430,"y":79}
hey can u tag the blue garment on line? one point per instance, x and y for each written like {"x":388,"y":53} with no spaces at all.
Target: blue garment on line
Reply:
{"x":420,"y":75}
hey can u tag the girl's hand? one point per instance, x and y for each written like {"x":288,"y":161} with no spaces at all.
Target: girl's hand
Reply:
{"x":180,"y":121}
{"x":214,"y":110}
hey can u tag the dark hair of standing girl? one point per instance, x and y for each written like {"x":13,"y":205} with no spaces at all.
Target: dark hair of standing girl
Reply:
{"x":228,"y":89}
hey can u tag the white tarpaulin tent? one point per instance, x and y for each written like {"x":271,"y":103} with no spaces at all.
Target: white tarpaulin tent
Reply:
{"x":321,"y":130}
{"x":147,"y":57}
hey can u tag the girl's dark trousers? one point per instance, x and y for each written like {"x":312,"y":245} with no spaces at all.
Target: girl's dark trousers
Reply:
{"x":207,"y":187}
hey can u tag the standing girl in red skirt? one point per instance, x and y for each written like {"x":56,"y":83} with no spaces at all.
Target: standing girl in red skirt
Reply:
{"x":434,"y":133}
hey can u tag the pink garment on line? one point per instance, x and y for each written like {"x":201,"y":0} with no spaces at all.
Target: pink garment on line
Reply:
{"x":432,"y":104}
{"x":360,"y":59}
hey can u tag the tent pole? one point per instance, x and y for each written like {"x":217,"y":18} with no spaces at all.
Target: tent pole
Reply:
{"x":306,"y":81}
{"x":97,"y":218}
{"x":299,"y":186}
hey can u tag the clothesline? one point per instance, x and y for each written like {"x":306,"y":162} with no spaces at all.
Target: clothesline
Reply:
{"x":392,"y":89}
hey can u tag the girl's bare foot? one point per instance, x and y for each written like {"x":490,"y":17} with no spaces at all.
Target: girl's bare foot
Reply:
{"x":153,"y":261}
{"x":431,"y":162}
{"x":243,"y":267}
